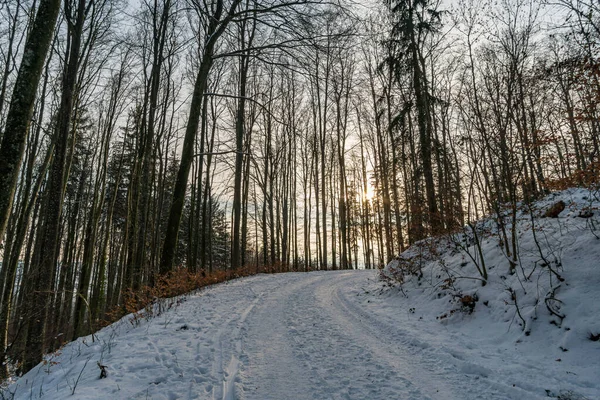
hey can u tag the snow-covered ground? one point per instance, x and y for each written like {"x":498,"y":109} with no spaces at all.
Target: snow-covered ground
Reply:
{"x":535,"y":329}
{"x":346,"y":335}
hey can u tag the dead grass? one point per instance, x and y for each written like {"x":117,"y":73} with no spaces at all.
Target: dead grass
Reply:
{"x":150,"y":300}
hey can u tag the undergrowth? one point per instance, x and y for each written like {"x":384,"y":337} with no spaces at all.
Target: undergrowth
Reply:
{"x":170,"y":290}
{"x":526,"y":276}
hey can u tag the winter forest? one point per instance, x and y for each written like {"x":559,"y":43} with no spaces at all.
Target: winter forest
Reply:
{"x":151,"y":145}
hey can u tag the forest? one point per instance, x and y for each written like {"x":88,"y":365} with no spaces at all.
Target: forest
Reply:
{"x":192,"y":140}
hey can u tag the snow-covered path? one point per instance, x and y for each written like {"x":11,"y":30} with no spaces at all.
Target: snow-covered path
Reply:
{"x":320,"y":335}
{"x":307,"y":340}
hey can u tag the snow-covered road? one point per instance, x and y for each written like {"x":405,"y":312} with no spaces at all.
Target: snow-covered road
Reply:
{"x":305,"y":339}
{"x":320,"y":335}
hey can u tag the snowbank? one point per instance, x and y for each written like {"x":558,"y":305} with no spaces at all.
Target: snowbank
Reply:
{"x":537,"y":323}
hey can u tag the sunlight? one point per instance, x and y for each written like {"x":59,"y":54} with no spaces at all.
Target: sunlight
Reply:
{"x":370,"y":195}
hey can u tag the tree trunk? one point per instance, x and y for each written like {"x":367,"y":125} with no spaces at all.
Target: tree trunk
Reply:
{"x":21,"y":106}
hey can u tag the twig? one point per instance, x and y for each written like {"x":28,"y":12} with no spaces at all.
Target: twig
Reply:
{"x":513,"y":294}
{"x":79,"y":377}
{"x":550,"y":297}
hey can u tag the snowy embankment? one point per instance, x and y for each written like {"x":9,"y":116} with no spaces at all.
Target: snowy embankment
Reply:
{"x":536,"y":327}
{"x":342,"y":335}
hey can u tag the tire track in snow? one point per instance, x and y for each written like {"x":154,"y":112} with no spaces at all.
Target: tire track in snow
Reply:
{"x":337,"y":354}
{"x":227,"y":342}
{"x":271,"y":368}
{"x":230,"y":374}
{"x":299,"y":348}
{"x":454,"y":377}
{"x":310,"y":340}
{"x":382,"y":341}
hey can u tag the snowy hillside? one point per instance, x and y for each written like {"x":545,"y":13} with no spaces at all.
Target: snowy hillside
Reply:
{"x":539,"y":325}
{"x":530,"y":334}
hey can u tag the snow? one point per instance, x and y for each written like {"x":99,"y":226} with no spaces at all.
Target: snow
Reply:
{"x":348,"y":335}
{"x":545,"y":356}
